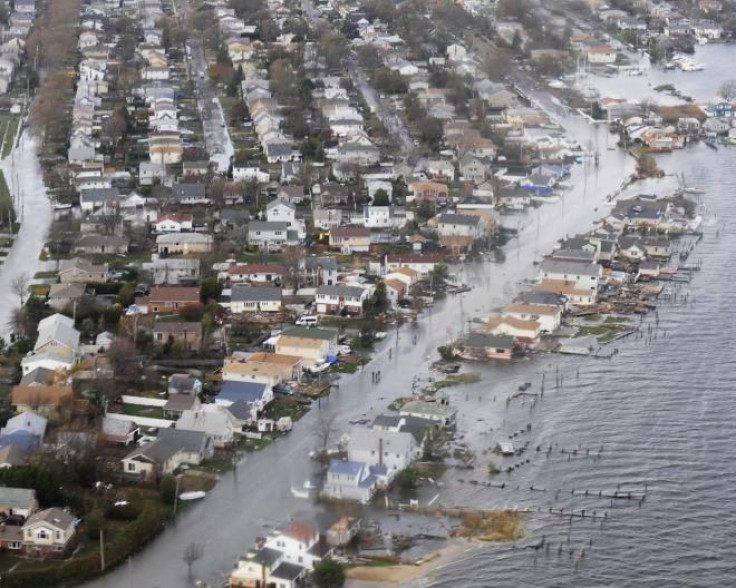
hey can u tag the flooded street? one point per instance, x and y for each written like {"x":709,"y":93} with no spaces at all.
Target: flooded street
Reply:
{"x":257,"y":496}
{"x":35,"y":223}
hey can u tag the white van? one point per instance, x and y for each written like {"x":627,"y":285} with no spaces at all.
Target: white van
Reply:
{"x":307,"y":321}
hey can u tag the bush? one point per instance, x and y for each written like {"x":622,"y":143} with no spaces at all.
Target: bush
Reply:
{"x":167,"y":489}
{"x":95,"y":523}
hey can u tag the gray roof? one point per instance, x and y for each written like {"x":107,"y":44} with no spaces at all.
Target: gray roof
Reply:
{"x":267,"y":226}
{"x":325,"y":263}
{"x":168,"y":443}
{"x":26,"y":421}
{"x":243,"y":293}
{"x":53,"y":516}
{"x":288,"y":571}
{"x":40,"y":375}
{"x":16,"y":497}
{"x":188,"y":191}
{"x":311,"y":333}
{"x":459,"y":219}
{"x":487,"y":340}
{"x":534,"y":297}
{"x":278,"y":149}
{"x":117,"y":427}
{"x":267,"y":556}
{"x":180,"y":402}
{"x":395,"y":442}
{"x":99,"y":195}
{"x":351,"y":291}
{"x":570,"y":267}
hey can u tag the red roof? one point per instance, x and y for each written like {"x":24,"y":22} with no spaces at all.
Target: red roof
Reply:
{"x":350,"y":232}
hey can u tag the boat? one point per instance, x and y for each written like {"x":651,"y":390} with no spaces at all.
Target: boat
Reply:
{"x":304,"y":491}
{"x":193,"y":495}
{"x":380,"y":335}
{"x":62,"y":206}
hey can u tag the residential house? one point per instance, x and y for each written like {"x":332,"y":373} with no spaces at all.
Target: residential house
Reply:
{"x":395,"y":451}
{"x":101,"y":245}
{"x":184,"y":384}
{"x":43,"y":400}
{"x":177,"y":404}
{"x":62,"y":296}
{"x":283,"y":211}
{"x":171,"y":449}
{"x":184,"y":243}
{"x":269,"y":373}
{"x":487,"y":346}
{"x":473,"y":169}
{"x":548,"y":316}
{"x":57,"y":332}
{"x":81,"y":271}
{"x":271,"y":236}
{"x":395,"y":290}
{"x":49,"y":533}
{"x":287,"y":367}
{"x":314,"y":345}
{"x":577,"y":295}
{"x":526,"y":332}
{"x":17,"y":501}
{"x":183,"y":335}
{"x":244,"y":298}
{"x":257,"y":273}
{"x":170,"y":299}
{"x":601,"y":55}
{"x":349,"y":480}
{"x":423,"y":264}
{"x":173,"y":222}
{"x":98,"y":198}
{"x":585,"y":276}
{"x":437,"y":412}
{"x":291,"y":194}
{"x":321,"y":270}
{"x":340,"y":299}
{"x":12,"y":456}
{"x":190,"y":193}
{"x":350,"y":239}
{"x":256,"y":395}
{"x":119,"y":431}
{"x":25,"y":430}
{"x":173,"y":270}
{"x":435,"y":193}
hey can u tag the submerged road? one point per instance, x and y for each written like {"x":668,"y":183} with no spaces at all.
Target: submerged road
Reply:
{"x":257,"y":496}
{"x":37,"y":214}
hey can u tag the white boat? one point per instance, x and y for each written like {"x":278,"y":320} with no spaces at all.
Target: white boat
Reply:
{"x":304,"y":491}
{"x":380,"y":335}
{"x":193,"y":495}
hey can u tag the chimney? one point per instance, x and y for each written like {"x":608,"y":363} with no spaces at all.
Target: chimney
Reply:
{"x":380,"y":451}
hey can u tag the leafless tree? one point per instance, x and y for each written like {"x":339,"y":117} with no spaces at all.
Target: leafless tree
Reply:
{"x":292,"y":259}
{"x":324,"y":431}
{"x":192,"y":553}
{"x":727,"y":91}
{"x":110,"y":221}
{"x":114,"y":127}
{"x":19,"y":286}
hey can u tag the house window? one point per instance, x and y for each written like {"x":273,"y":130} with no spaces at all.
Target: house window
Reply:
{"x":131,"y":466}
{"x":42,"y":534}
{"x":14,"y":545}
{"x":58,"y":534}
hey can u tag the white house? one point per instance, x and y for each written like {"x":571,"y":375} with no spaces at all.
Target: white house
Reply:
{"x":174,"y":223}
{"x":212,"y":421}
{"x":258,"y":299}
{"x":394,"y":450}
{"x":340,"y":299}
{"x":548,"y":316}
{"x":584,"y":276}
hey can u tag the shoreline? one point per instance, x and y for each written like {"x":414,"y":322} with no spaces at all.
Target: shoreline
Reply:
{"x":405,"y":574}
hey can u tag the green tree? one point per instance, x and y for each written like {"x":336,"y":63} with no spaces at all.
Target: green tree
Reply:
{"x":380,"y":198}
{"x":328,"y":573}
{"x":167,"y":489}
{"x":431,"y":130}
{"x":407,"y":478}
{"x":126,"y":295}
{"x":210,"y":289}
{"x":425,"y":211}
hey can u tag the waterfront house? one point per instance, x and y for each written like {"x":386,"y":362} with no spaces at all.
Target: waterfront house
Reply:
{"x":171,"y":449}
{"x":185,"y":335}
{"x":393,"y":450}
{"x":524,"y":331}
{"x":177,"y":404}
{"x":439,"y":413}
{"x":630,"y":247}
{"x":487,"y":346}
{"x":584,"y":275}
{"x":49,"y":533}
{"x":288,"y":367}
{"x":548,"y":316}
{"x":349,"y":480}
{"x":269,"y":374}
{"x":313,"y":345}
{"x":211,"y":420}
{"x":573,"y":294}
{"x":258,"y":299}
{"x":350,"y":240}
{"x":340,"y":299}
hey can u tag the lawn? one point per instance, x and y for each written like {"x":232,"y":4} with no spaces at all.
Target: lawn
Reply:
{"x":8,"y":129}
{"x":153,"y":412}
{"x":6,"y":202}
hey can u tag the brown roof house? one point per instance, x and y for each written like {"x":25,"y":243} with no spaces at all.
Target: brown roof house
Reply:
{"x":169,"y":299}
{"x":79,"y":270}
{"x":49,"y":533}
{"x":185,"y":335}
{"x":350,"y":239}
{"x":43,"y":400}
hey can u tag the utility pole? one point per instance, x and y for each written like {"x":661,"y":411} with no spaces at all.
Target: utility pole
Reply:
{"x":102,"y":550}
{"x":176,"y":494}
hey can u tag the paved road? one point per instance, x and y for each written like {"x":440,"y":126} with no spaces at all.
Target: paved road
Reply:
{"x":35,"y":222}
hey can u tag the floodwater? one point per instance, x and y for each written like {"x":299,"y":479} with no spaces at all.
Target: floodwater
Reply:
{"x":35,"y":222}
{"x":660,"y":413}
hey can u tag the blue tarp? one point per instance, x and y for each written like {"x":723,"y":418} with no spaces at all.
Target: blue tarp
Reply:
{"x":331,"y":359}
